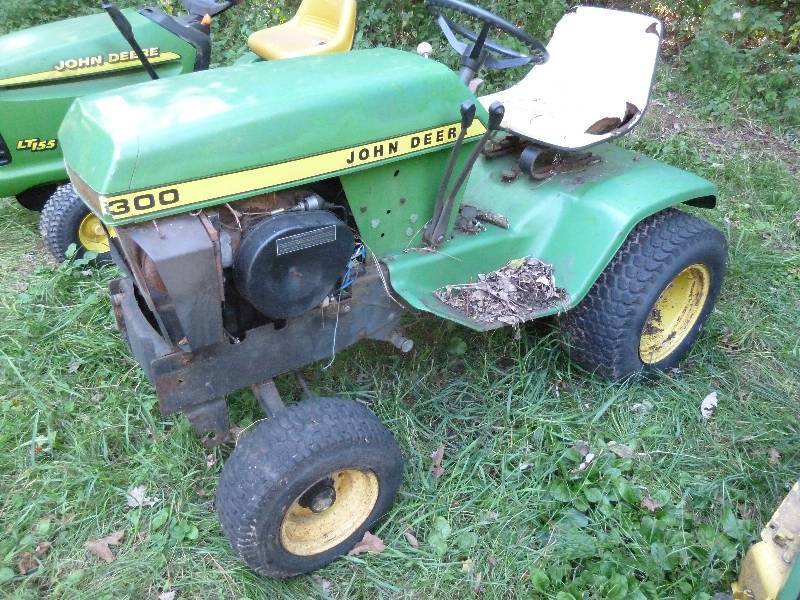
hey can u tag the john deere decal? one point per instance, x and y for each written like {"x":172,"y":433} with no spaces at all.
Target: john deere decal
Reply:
{"x":111,"y":59}
{"x":37,"y":145}
{"x":212,"y":190}
{"x":70,"y":68}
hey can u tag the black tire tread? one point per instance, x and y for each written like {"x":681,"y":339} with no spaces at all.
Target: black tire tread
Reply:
{"x":596,"y":328}
{"x":57,"y":223}
{"x":274,"y":449}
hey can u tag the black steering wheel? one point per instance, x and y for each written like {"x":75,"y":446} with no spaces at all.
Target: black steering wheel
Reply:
{"x":482,"y":51}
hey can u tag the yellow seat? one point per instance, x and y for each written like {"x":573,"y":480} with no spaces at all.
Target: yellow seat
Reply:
{"x":319,"y":27}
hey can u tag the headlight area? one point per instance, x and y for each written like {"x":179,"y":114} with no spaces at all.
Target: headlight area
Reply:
{"x":89,"y":196}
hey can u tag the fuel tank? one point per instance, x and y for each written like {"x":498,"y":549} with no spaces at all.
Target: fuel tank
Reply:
{"x":43,"y":69}
{"x":174,"y":145}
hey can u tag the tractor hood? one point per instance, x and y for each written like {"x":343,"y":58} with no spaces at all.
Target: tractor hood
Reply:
{"x":221,"y":135}
{"x":76,"y":48}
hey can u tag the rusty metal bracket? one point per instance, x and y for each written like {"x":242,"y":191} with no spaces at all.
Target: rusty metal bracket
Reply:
{"x":268,"y":398}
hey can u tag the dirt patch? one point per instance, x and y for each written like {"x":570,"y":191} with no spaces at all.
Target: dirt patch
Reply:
{"x":674,"y":114}
{"x":509,"y":295}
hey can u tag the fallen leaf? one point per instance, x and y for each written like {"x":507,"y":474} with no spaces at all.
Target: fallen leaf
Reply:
{"x":477,"y":587}
{"x":708,"y":405}
{"x":411,"y":537}
{"x":100,"y":548}
{"x":369,"y":543}
{"x":42,"y":548}
{"x":650,"y":504}
{"x":211,"y":460}
{"x":525,"y":466}
{"x":582,"y":448}
{"x":774,"y":456}
{"x":627,"y":453}
{"x":437,"y":457}
{"x":492,"y":560}
{"x":621,"y":450}
{"x":27,"y":562}
{"x":587,"y":460}
{"x":167,"y":595}
{"x":74,"y":366}
{"x":467,"y":565}
{"x":136,"y":497}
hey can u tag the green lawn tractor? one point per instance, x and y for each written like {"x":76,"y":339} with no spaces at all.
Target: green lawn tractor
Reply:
{"x":269,"y":216}
{"x":45,"y":68}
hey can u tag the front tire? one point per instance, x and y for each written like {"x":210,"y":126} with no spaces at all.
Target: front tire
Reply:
{"x":301,"y":488}
{"x":649,"y":305}
{"x":67,"y":220}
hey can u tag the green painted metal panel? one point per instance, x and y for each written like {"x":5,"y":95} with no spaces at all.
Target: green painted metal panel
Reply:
{"x":791,"y":590}
{"x":392,"y":203}
{"x":574,"y":221}
{"x":248,"y":116}
{"x":36,"y":110}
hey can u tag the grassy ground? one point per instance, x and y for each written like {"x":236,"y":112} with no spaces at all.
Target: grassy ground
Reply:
{"x":511,"y":517}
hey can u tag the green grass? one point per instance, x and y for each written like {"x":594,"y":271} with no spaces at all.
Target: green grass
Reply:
{"x":79,"y":425}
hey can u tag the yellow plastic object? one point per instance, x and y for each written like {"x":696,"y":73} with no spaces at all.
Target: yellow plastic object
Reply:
{"x":319,"y":27}
{"x":767,"y":564}
{"x":675,"y":313}
{"x":92,"y":235}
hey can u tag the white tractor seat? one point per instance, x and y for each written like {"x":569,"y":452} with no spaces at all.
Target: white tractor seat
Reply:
{"x":595,"y":86}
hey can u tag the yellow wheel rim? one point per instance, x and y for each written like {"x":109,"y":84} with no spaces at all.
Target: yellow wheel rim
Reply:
{"x":92,"y":235}
{"x":305,"y":533}
{"x":675,"y":313}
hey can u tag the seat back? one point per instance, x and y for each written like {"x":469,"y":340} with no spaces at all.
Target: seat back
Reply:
{"x":331,"y":18}
{"x":601,"y":59}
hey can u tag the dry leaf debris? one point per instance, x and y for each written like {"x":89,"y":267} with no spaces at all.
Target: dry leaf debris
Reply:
{"x":369,"y":543}
{"x":101,"y":548}
{"x":509,"y":295}
{"x":136,"y":498}
{"x":411,"y":537}
{"x":708,"y":405}
{"x":650,"y":504}
{"x":436,"y":458}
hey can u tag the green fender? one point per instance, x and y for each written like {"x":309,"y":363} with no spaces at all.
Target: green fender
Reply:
{"x":574,"y":221}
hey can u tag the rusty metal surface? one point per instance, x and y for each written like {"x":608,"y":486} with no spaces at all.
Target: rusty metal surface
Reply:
{"x":187,"y":264}
{"x":266,"y":352}
{"x":196,"y":382}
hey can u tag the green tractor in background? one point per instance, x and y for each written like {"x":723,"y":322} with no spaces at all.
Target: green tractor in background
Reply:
{"x":45,"y":68}
{"x":269,"y":216}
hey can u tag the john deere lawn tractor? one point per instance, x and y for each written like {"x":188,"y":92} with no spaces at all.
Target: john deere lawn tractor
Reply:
{"x":43,"y":69}
{"x":269,"y":216}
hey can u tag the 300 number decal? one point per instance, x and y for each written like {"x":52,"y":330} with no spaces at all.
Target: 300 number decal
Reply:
{"x":143,"y":203}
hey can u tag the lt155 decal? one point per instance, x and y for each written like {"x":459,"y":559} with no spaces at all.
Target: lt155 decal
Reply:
{"x":36,"y":145}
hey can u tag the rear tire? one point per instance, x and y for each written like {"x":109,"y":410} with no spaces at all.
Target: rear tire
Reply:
{"x":329,"y":453}
{"x":649,"y":305}
{"x":67,"y":220}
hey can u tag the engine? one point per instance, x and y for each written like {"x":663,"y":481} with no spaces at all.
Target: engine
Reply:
{"x":289,"y":263}
{"x":265,"y":259}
